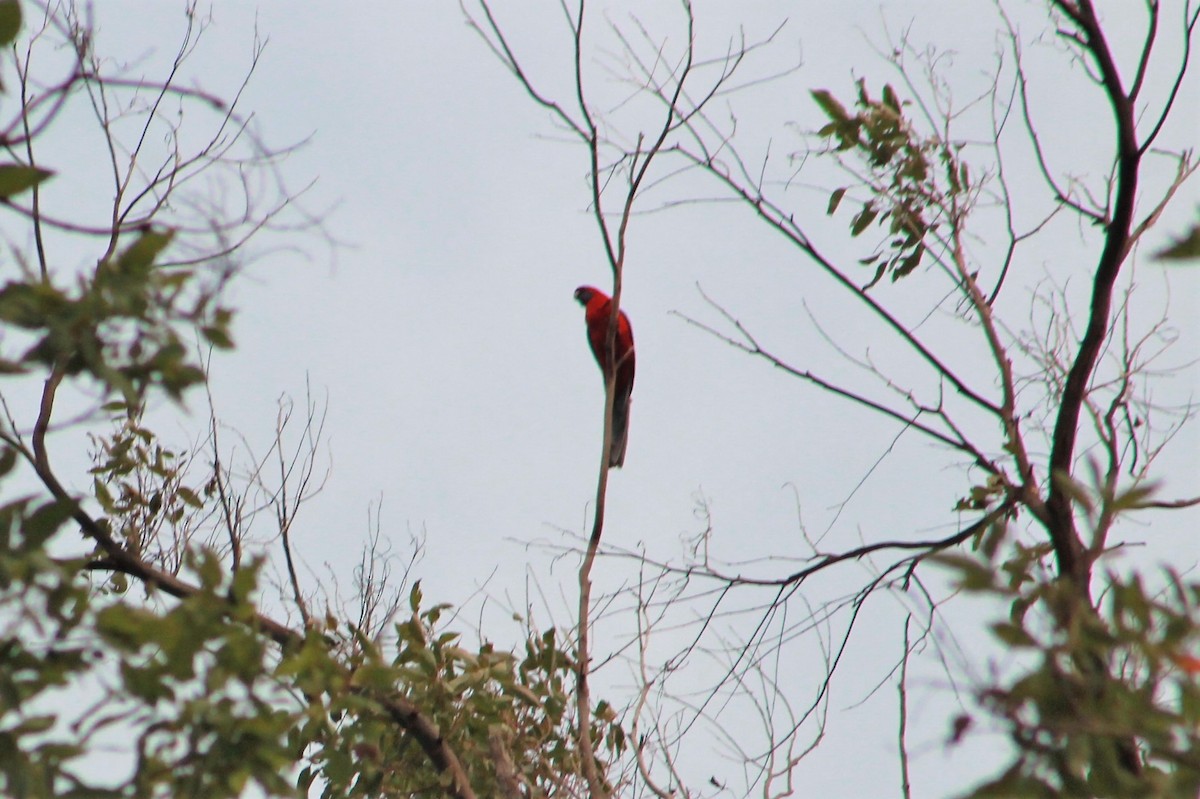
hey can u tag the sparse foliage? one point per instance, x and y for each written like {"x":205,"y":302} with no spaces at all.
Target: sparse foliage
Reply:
{"x":146,"y":590}
{"x":1047,"y":424}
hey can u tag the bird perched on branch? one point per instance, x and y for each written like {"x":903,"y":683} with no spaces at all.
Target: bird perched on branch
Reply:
{"x":598,"y":313}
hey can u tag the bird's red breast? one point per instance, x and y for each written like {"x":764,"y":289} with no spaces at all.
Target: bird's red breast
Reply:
{"x":597,"y":314}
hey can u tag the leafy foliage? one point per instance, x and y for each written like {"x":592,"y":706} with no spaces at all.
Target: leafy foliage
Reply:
{"x":206,"y":694}
{"x":16,"y":178}
{"x":1093,"y":680}
{"x":912,"y":181}
{"x":141,"y":485}
{"x":191,"y":688}
{"x":209,"y":696}
{"x":121,"y":327}
{"x":1186,"y":248}
{"x":497,"y":711}
{"x":10,"y":21}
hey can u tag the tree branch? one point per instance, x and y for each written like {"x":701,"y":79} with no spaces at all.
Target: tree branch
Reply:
{"x":117,"y":558}
{"x":1068,"y":547}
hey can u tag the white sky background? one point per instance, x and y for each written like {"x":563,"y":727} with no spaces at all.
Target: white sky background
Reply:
{"x":460,"y":388}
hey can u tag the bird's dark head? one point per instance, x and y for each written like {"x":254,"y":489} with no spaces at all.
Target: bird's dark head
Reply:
{"x":584,"y":294}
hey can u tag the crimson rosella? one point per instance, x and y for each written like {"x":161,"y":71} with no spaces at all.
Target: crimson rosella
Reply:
{"x":598,"y":312}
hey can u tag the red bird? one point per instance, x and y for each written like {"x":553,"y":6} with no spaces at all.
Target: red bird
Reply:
{"x":598,"y":312}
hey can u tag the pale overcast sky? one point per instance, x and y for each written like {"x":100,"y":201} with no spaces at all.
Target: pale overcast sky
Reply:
{"x":461,"y":392}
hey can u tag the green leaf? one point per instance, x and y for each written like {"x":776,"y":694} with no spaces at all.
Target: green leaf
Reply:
{"x":218,"y":337}
{"x":890,"y":99}
{"x":36,"y":724}
{"x":189,"y":497}
{"x":8,"y":459}
{"x":139,"y":256}
{"x":879,"y":270}
{"x":10,"y":21}
{"x":45,"y":521}
{"x":208,"y":569}
{"x":101,"y":492}
{"x":909,"y":263}
{"x":1134,"y":498}
{"x":16,"y":178}
{"x":1013,"y":635}
{"x":864,"y":99}
{"x":1074,"y":490}
{"x":834,"y":200}
{"x":1185,"y":248}
{"x":125,"y":625}
{"x":33,"y":306}
{"x":830,"y":105}
{"x":863,"y":218}
{"x":973,"y":575}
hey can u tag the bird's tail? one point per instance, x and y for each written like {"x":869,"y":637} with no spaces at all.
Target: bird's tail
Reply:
{"x":620,"y":432}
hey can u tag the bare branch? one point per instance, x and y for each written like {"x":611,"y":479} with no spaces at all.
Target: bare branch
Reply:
{"x":1061,"y":528}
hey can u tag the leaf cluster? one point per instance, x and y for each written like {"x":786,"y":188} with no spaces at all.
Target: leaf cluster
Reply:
{"x":206,"y":694}
{"x":124,"y":325}
{"x":1107,"y":703}
{"x":190,"y":687}
{"x":140,"y":484}
{"x":910,"y":178}
{"x":500,"y":713}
